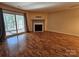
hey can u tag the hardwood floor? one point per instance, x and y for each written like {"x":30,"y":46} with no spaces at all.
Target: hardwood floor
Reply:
{"x":44,"y":44}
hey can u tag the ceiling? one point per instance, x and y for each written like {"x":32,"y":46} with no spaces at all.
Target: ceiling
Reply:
{"x":43,"y":6}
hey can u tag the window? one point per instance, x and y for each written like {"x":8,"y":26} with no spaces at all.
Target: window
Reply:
{"x":13,"y":24}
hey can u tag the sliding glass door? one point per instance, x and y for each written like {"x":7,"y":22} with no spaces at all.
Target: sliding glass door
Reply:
{"x":14,"y":24}
{"x":20,"y":23}
{"x":10,"y":25}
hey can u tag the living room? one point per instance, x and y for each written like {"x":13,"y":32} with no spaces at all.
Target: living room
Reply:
{"x":39,"y":29}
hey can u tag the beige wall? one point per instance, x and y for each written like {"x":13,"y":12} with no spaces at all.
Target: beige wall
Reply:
{"x":66,"y":21}
{"x":31,"y":16}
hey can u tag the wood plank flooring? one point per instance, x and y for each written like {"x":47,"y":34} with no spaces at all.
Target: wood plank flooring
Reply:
{"x":42,"y":44}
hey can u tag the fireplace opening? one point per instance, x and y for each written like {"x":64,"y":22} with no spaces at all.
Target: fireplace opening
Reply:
{"x":38,"y":27}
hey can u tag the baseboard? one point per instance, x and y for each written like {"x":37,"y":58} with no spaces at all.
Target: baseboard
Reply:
{"x":64,"y":33}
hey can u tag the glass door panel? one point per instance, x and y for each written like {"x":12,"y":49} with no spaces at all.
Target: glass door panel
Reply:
{"x":20,"y":23}
{"x":10,"y":25}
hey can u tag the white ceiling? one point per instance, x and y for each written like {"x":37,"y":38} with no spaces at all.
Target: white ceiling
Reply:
{"x":40,"y":6}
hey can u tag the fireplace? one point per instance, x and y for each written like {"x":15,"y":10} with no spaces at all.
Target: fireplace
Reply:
{"x":38,"y":26}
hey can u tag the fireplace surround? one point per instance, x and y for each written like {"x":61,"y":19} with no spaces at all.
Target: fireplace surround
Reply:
{"x":38,"y":25}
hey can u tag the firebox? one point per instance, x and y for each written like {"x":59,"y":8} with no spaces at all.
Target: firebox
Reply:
{"x":38,"y":27}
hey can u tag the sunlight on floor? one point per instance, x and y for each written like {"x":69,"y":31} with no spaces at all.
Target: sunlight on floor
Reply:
{"x":16,"y":43}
